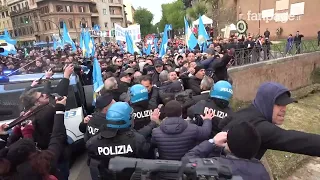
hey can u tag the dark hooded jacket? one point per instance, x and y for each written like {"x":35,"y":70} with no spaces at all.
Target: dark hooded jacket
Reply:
{"x":219,"y":67}
{"x":175,"y":137}
{"x":259,"y":114}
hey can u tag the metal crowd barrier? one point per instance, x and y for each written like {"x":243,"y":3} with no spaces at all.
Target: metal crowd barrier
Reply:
{"x":245,"y":56}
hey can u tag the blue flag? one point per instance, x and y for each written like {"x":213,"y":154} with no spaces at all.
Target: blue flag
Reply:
{"x":191,"y":40}
{"x":156,"y":45}
{"x":202,"y":33}
{"x":97,"y":79}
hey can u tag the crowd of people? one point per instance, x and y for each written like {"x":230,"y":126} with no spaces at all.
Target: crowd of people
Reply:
{"x":176,"y":107}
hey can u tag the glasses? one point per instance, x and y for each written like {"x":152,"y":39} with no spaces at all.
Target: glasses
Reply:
{"x":41,"y":95}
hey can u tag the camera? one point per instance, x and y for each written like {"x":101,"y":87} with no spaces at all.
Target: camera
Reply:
{"x":196,"y":169}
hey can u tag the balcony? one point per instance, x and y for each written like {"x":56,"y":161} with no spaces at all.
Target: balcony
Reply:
{"x":3,"y":8}
{"x":9,"y":2}
{"x":20,"y":11}
{"x":115,"y":3}
{"x":94,"y":12}
{"x":116,"y":15}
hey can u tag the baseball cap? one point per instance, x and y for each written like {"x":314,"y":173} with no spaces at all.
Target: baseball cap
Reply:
{"x":285,"y":99}
{"x":104,"y":101}
{"x":129,"y":71}
{"x":158,"y":63}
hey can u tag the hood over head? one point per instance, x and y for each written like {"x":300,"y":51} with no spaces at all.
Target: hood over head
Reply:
{"x":173,"y":125}
{"x":266,"y":97}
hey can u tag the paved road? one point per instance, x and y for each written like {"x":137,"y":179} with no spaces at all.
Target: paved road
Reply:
{"x":80,"y":170}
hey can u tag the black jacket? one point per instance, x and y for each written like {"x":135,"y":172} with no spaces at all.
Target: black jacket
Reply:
{"x":155,"y":79}
{"x":194,"y":85}
{"x":123,"y":87}
{"x":260,"y":115}
{"x":94,"y":125}
{"x":201,"y":107}
{"x":219,"y":67}
{"x":133,"y":143}
{"x":154,"y":98}
{"x":274,"y":137}
{"x":203,"y":96}
{"x":56,"y":145}
{"x":247,"y":169}
{"x":43,"y":122}
{"x":141,"y":115}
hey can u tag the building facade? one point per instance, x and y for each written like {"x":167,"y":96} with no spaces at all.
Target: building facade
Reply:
{"x":110,"y":12}
{"x":129,"y":10}
{"x":5,"y":20}
{"x":289,"y":15}
{"x":22,"y":20}
{"x":39,"y":20}
{"x":52,"y":14}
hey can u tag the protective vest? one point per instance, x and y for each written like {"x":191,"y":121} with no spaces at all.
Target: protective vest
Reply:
{"x":97,"y":121}
{"x":101,"y":150}
{"x":123,"y":144}
{"x":209,"y":106}
{"x":141,"y":117}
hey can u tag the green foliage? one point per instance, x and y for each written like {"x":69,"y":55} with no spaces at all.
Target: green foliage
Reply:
{"x":144,"y":17}
{"x":198,"y":8}
{"x":172,"y":13}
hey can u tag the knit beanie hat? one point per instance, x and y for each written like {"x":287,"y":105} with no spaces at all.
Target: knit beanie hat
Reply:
{"x":243,"y":140}
{"x":19,"y":151}
{"x":173,"y":109}
{"x":198,"y":68}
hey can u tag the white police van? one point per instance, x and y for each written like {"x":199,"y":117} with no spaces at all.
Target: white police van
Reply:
{"x":76,"y":107}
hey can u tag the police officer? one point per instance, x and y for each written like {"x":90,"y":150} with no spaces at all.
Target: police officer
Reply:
{"x":140,"y":104}
{"x":117,"y":138}
{"x":218,"y":103}
{"x":99,"y":117}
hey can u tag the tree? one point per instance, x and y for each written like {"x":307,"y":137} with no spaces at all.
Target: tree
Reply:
{"x":144,"y":17}
{"x":172,"y":13}
{"x":222,"y":12}
{"x":198,"y":8}
{"x":187,"y":3}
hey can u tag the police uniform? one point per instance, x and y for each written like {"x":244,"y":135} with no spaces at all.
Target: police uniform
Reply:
{"x":220,"y":95}
{"x":139,"y":100}
{"x":98,"y":118}
{"x":115,"y":139}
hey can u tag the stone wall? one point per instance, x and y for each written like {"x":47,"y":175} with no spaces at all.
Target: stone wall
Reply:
{"x":293,"y":72}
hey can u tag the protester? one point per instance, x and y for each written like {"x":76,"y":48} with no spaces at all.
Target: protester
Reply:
{"x":22,"y":159}
{"x":266,"y":113}
{"x":239,"y":159}
{"x":168,"y":87}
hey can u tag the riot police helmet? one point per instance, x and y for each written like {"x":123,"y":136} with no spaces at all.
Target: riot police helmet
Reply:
{"x":222,"y":90}
{"x":119,"y":115}
{"x":138,"y":93}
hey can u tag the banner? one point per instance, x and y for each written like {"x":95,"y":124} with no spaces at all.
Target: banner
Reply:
{"x":133,"y":30}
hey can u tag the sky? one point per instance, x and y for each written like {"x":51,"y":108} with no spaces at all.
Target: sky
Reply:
{"x":153,"y":6}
